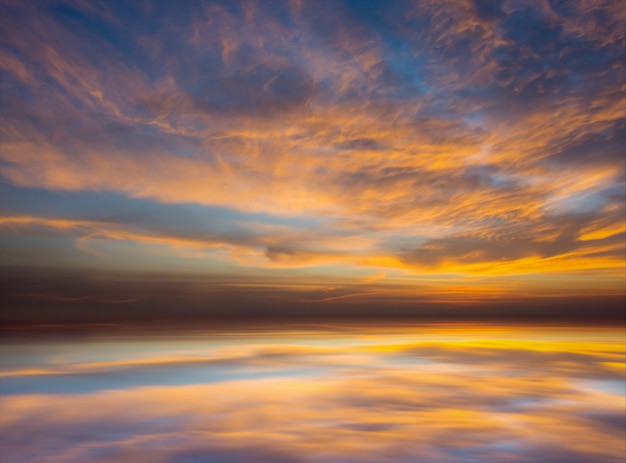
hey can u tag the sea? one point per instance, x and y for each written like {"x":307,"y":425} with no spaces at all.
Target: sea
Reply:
{"x":314,"y":392}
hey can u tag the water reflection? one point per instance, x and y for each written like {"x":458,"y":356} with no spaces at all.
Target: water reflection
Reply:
{"x":437,"y":393}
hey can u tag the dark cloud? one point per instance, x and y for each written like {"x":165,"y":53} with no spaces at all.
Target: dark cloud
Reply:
{"x":562,"y":234}
{"x":602,"y":147}
{"x":360,"y":144}
{"x":262,"y":92}
{"x":213,"y":455}
{"x":88,"y":299}
{"x":488,"y":10}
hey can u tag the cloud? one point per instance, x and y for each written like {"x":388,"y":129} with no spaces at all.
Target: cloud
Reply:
{"x":481,"y":397}
{"x":93,"y":297}
{"x":460,"y":137}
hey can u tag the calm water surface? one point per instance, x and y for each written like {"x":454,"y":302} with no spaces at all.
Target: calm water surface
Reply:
{"x":317,"y":393}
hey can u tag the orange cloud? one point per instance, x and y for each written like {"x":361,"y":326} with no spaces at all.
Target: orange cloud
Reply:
{"x":464,"y":167}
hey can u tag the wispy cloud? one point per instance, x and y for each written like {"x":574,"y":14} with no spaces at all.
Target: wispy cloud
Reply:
{"x":459,"y":137}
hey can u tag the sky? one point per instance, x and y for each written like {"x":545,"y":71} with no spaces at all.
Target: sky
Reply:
{"x":167,"y":160}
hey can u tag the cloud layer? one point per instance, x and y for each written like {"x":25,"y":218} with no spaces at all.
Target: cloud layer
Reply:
{"x":467,"y":138}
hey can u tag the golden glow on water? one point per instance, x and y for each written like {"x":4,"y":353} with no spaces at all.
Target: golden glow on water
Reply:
{"x":432,"y":393}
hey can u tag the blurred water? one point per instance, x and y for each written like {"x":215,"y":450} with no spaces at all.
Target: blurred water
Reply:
{"x":316,"y":393}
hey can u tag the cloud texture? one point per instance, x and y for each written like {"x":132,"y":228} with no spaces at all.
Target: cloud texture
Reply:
{"x":320,"y":394}
{"x":461,"y":137}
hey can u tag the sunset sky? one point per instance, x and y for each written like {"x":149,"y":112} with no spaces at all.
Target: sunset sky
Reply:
{"x":190,"y":159}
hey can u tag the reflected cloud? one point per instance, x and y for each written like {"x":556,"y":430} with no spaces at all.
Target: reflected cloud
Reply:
{"x":362,"y":396}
